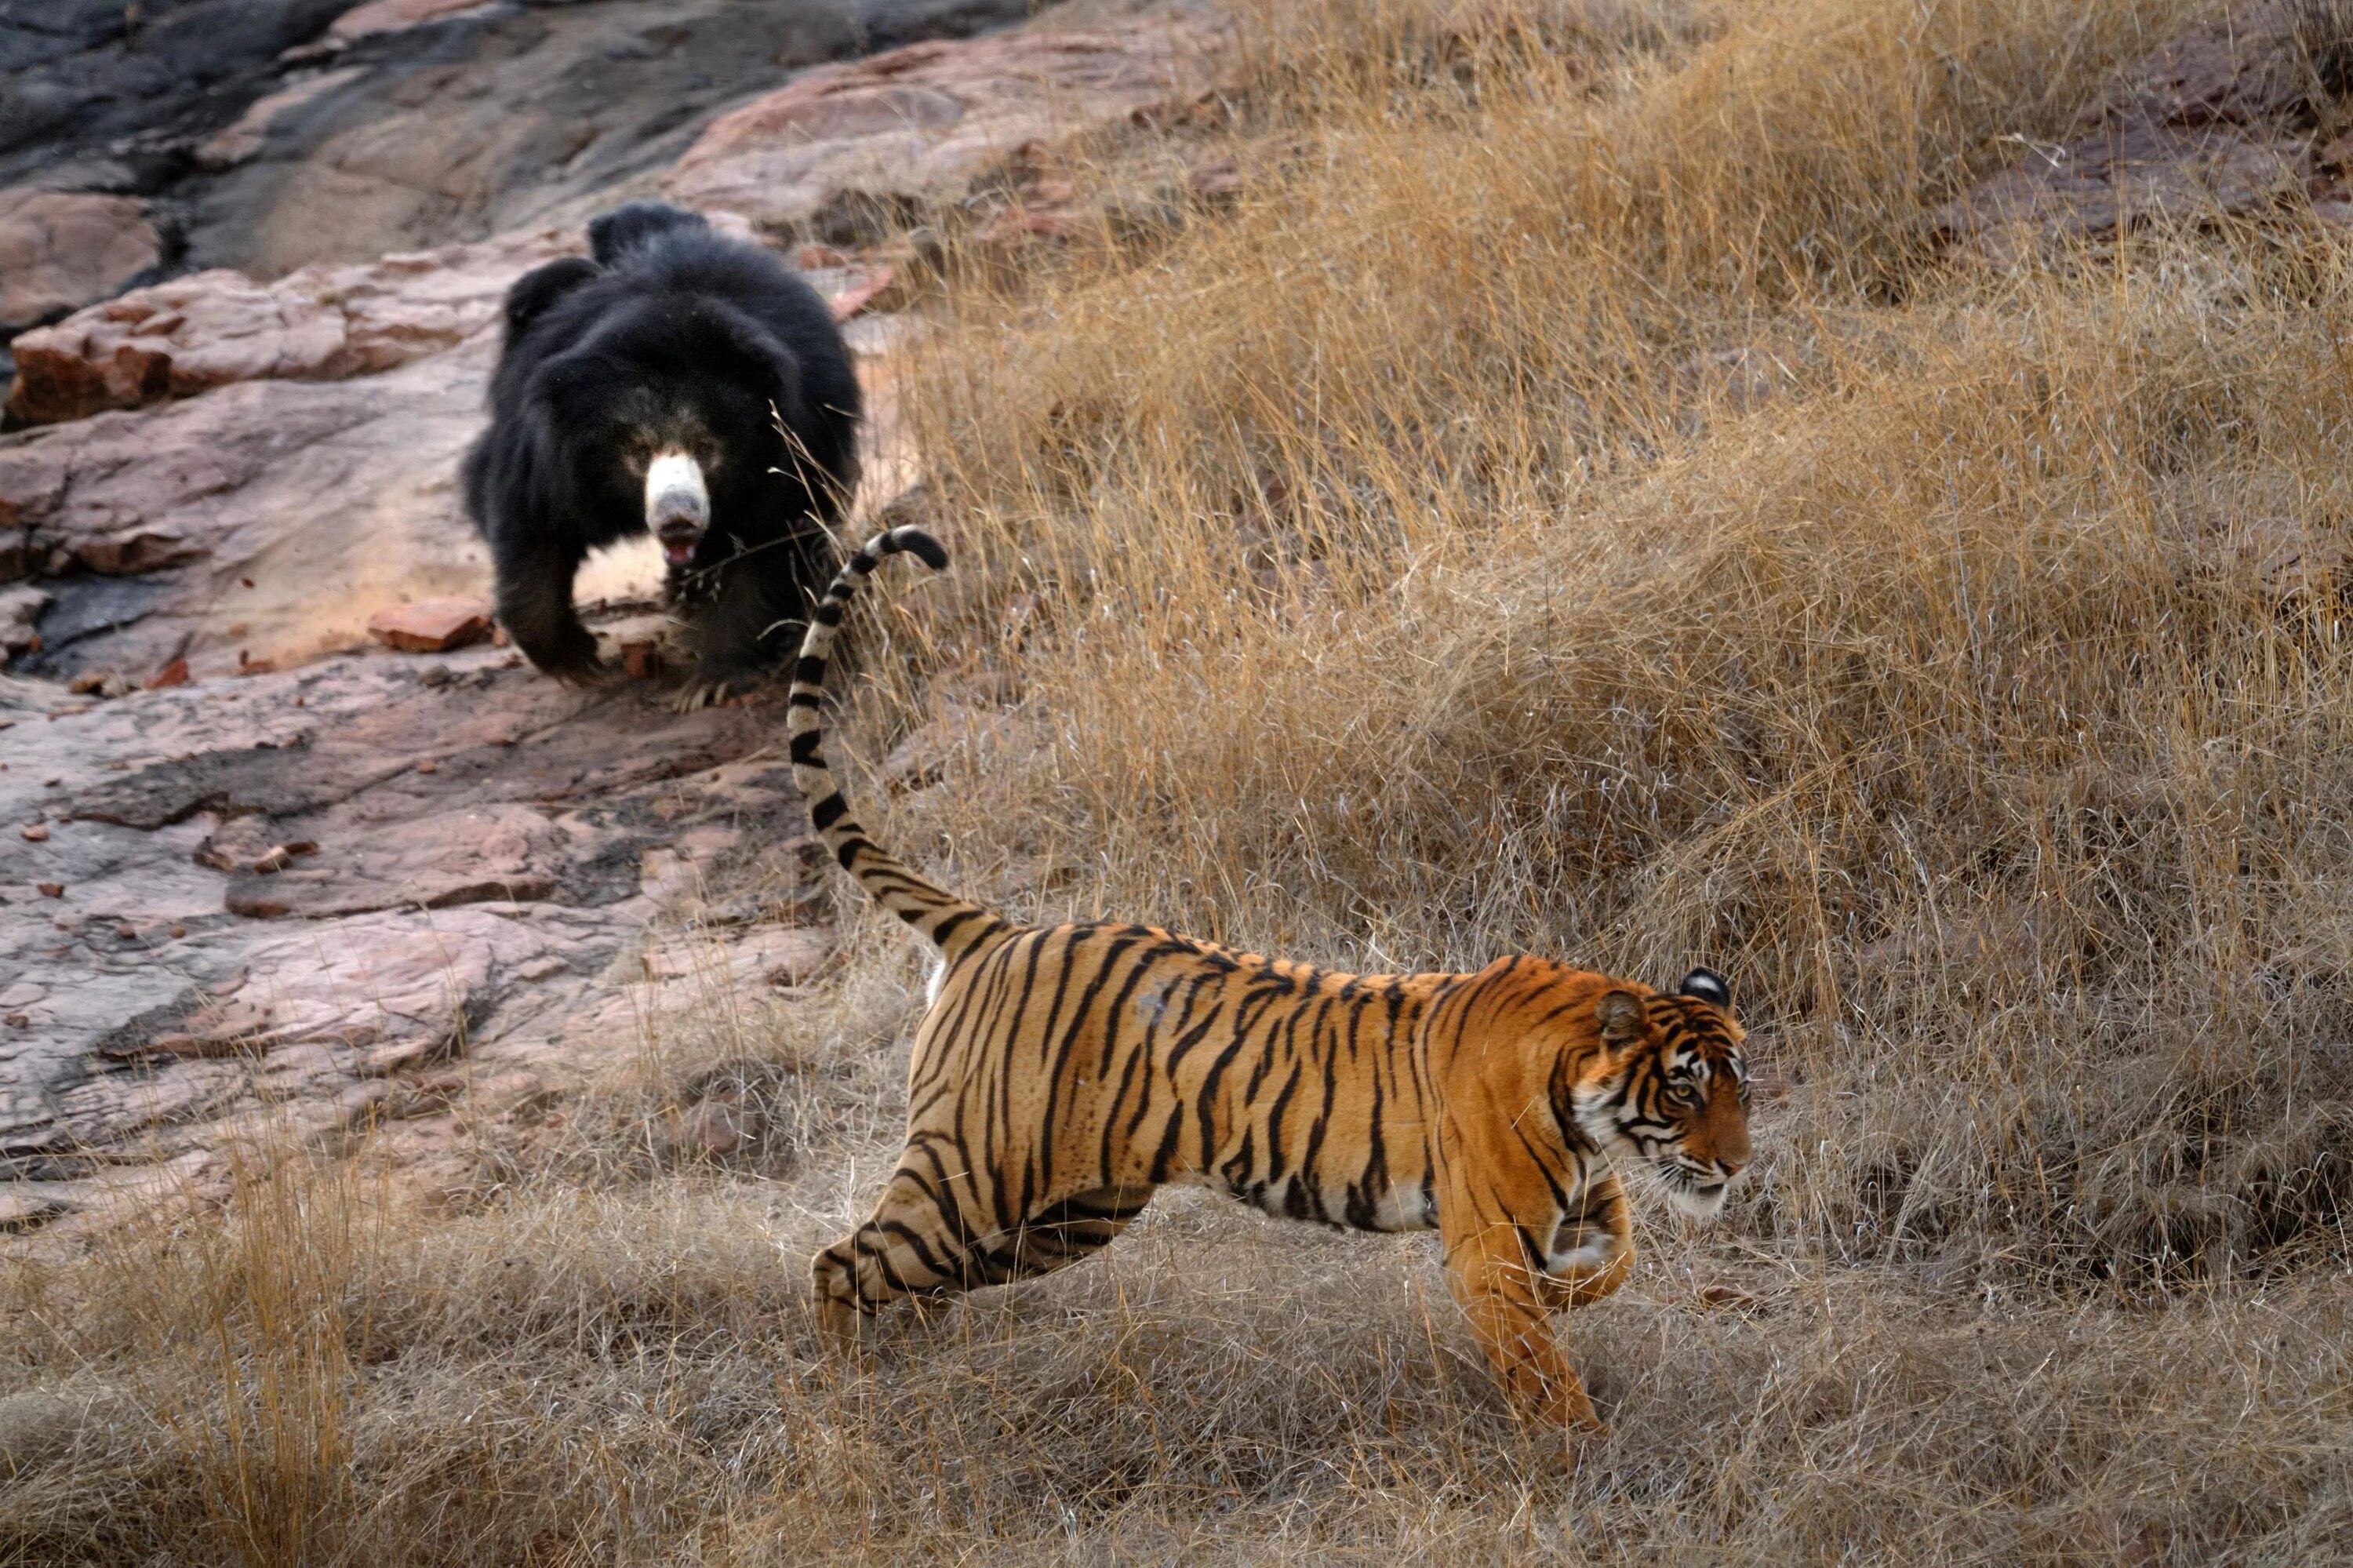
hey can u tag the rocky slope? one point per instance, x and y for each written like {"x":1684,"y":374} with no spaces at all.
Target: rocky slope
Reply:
{"x":272,"y":134}
{"x":258,"y":872}
{"x":297,"y":895}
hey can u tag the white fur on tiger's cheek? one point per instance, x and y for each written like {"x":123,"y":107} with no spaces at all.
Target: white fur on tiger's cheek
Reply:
{"x":1591,"y":1108}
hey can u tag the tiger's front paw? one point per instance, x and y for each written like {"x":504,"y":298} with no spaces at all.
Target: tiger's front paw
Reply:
{"x":1563,"y":1452}
{"x":1559,"y":1405}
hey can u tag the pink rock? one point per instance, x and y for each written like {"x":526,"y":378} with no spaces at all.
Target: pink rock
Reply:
{"x":410,"y":918}
{"x":61,"y":249}
{"x":220,"y":1027}
{"x":919,"y":122}
{"x":349,"y":483}
{"x":318,"y":323}
{"x":396,"y":15}
{"x":431,"y":625}
{"x":475,"y":855}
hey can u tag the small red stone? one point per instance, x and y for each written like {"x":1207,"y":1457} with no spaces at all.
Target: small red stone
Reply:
{"x":431,"y":625}
{"x":861,"y":294}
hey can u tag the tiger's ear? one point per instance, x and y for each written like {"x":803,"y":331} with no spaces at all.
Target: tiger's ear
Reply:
{"x":1709,"y":987}
{"x":1620,"y":1014}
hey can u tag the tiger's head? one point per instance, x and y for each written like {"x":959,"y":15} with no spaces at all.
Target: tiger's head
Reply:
{"x":1670,"y":1087}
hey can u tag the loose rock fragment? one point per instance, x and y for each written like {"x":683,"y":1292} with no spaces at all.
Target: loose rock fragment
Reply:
{"x":861,"y":294}
{"x":431,"y":625}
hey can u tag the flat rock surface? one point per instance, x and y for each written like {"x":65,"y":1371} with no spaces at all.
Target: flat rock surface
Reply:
{"x":172,"y":991}
{"x":333,"y":500}
{"x":60,"y":249}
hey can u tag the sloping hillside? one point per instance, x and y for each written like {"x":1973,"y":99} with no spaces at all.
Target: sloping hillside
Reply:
{"x":1850,"y":493}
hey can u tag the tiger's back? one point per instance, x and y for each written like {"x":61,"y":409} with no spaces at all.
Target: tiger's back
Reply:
{"x":1144,"y":1058}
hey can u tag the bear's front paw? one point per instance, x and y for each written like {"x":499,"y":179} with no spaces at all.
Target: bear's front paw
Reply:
{"x":565,"y":653}
{"x":700,"y":693}
{"x":712,"y":684}
{"x":589,"y":673}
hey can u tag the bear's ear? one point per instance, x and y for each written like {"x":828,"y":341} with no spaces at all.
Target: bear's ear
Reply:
{"x":1709,"y":987}
{"x":1620,"y":1014}
{"x":541,"y":287}
{"x":630,"y":224}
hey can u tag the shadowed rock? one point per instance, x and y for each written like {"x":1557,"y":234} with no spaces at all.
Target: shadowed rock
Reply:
{"x":2216,"y":122}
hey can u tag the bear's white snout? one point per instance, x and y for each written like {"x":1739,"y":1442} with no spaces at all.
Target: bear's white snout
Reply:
{"x":678,"y":506}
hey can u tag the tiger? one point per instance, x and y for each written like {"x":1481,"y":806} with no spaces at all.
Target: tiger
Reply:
{"x":1061,"y":1074}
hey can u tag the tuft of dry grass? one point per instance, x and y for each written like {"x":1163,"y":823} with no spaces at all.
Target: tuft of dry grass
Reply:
{"x":1566,"y":505}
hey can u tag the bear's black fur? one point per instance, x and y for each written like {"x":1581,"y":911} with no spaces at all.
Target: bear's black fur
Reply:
{"x":679,"y":344}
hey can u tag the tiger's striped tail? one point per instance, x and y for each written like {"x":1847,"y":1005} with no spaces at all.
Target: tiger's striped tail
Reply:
{"x":952,"y":922}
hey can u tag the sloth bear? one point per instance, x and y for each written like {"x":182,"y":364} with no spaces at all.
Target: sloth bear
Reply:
{"x":678,"y":382}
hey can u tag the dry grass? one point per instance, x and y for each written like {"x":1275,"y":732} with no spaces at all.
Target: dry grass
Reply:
{"x":1566,"y":506}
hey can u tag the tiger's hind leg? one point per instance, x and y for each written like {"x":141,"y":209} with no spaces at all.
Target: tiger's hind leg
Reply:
{"x":1063,"y":1234}
{"x":914,"y":1246}
{"x":914,"y":1243}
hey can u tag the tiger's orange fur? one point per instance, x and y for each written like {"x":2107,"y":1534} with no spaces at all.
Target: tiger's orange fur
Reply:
{"x":1062,"y":1072}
